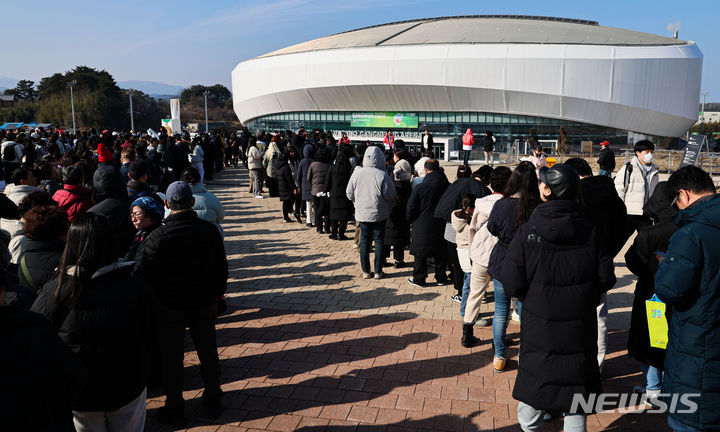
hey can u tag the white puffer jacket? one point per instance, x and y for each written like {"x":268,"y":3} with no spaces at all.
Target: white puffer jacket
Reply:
{"x":481,"y":241}
{"x":640,"y":186}
{"x":254,"y":158}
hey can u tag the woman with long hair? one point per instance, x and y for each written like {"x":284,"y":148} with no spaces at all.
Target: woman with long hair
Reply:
{"x":520,"y":198}
{"x":101,"y":311}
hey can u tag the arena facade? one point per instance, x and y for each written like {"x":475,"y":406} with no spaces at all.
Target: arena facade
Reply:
{"x":507,"y":74}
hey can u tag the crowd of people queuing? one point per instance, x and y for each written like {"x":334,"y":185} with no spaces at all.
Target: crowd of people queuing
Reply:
{"x":113,"y":245}
{"x":546,"y":236}
{"x":105,"y":232}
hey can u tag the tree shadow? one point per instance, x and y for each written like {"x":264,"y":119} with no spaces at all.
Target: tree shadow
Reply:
{"x":277,"y":391}
{"x":235,"y":329}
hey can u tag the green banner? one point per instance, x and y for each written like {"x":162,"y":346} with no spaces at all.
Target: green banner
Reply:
{"x":385,"y":120}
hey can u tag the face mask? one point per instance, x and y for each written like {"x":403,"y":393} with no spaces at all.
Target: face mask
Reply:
{"x":648,"y":158}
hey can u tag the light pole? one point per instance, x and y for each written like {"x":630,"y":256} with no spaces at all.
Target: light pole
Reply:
{"x":72,"y":84}
{"x":206,"y":114}
{"x":702,"y":119}
{"x":132,"y":120}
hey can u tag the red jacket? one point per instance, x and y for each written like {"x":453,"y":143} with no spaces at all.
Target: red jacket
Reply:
{"x":74,"y":200}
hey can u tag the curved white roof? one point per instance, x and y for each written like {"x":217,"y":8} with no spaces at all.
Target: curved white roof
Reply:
{"x":482,"y":29}
{"x":649,"y":86}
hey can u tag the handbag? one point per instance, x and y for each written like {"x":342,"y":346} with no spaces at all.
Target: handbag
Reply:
{"x":657,"y":322}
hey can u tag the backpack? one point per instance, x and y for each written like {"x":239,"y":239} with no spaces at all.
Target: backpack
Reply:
{"x":8,"y":153}
{"x":628,"y":173}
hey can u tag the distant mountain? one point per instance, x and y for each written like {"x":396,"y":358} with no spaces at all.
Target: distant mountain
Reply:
{"x":6,"y":83}
{"x":150,"y":87}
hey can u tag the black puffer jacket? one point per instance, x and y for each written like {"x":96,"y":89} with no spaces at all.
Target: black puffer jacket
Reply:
{"x":41,"y":258}
{"x":117,"y":210}
{"x":184,"y":262}
{"x":106,"y":181}
{"x":606,"y":211}
{"x":40,"y":376}
{"x":606,"y":159}
{"x":641,"y":260}
{"x":488,"y":143}
{"x":341,"y":208}
{"x":556,"y":267}
{"x":108,"y":329}
{"x":397,"y":227}
{"x":451,"y":200}
{"x":286,"y":182}
{"x":427,"y":230}
{"x":501,"y":224}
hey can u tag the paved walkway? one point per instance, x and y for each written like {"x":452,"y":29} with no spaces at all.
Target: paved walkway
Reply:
{"x":309,"y":345}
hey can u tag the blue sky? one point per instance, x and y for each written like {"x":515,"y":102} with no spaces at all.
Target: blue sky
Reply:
{"x":187,"y":42}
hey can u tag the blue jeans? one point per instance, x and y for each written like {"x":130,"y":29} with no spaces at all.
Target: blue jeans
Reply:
{"x":652,"y":377}
{"x":603,"y":172}
{"x":466,"y":157}
{"x":680,"y":427}
{"x":465,"y":294}
{"x":500,"y":319}
{"x":369,"y":232}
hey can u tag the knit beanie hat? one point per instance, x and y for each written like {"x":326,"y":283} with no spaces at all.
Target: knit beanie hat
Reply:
{"x":150,"y":206}
{"x":104,"y":155}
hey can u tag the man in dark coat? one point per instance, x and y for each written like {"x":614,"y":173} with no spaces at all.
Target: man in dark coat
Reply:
{"x":450,"y":201}
{"x":688,"y":281}
{"x":642,"y":260}
{"x":556,"y":267}
{"x":342,"y":209}
{"x":286,"y":186}
{"x":606,"y":160}
{"x":427,"y":230}
{"x":608,"y":214}
{"x":303,"y":184}
{"x":184,"y":262}
{"x":427,"y":142}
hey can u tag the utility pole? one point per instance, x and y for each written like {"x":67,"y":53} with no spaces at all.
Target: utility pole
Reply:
{"x":72,"y":84}
{"x":132,"y":120}
{"x":702,"y":119}
{"x":206,"y":114}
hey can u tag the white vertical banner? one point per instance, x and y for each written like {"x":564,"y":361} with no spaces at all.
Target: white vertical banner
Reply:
{"x":175,"y":109}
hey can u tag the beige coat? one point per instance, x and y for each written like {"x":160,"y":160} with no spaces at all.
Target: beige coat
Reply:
{"x":462,"y":239}
{"x":641,"y":185}
{"x":481,"y":241}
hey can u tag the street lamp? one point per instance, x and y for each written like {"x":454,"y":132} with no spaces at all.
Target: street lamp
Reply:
{"x":702,"y":119}
{"x":206,"y":114}
{"x":132,"y":120}
{"x":72,"y":84}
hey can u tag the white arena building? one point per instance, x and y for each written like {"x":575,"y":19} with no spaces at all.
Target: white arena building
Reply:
{"x":506,"y":74}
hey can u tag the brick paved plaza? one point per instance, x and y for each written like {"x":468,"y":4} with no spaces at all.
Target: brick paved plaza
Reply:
{"x":309,"y":345}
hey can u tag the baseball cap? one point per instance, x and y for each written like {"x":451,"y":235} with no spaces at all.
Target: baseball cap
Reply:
{"x":179,"y":195}
{"x":605,"y":143}
{"x":562,"y":179}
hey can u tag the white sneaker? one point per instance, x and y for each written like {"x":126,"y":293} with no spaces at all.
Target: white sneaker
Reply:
{"x":651,"y":397}
{"x":259,"y":196}
{"x":515,"y":316}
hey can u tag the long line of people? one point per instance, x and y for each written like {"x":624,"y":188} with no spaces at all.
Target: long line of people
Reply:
{"x":104,"y":237}
{"x":546,"y":236}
